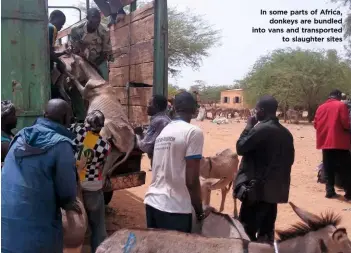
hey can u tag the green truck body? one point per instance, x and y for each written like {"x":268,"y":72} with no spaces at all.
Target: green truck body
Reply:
{"x":25,"y":56}
{"x":25,"y":67}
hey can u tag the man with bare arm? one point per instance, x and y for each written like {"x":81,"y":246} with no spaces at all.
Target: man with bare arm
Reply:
{"x":175,"y":186}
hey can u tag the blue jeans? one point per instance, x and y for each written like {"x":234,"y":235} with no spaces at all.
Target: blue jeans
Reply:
{"x":95,"y":207}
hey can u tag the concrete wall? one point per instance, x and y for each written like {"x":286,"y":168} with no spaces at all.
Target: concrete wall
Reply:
{"x":233,"y":99}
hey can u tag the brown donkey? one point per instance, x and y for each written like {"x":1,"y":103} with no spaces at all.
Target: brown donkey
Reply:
{"x":317,"y":234}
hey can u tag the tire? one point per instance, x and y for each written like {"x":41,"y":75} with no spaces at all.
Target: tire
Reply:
{"x":108,"y":197}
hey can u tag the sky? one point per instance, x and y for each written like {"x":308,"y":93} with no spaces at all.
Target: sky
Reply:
{"x":240,"y":48}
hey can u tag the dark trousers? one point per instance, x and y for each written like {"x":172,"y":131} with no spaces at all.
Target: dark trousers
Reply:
{"x":337,"y":161}
{"x":258,"y":220}
{"x":168,"y":221}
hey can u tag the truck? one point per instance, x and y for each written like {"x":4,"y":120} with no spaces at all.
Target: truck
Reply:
{"x":26,"y":73}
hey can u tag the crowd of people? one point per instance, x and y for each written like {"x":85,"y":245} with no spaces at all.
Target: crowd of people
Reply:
{"x":47,"y":164}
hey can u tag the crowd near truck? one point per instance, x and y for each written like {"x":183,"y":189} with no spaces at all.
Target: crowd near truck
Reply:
{"x":138,"y":71}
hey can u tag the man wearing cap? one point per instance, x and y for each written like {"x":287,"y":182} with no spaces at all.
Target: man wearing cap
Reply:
{"x":175,"y":187}
{"x":263,"y":178}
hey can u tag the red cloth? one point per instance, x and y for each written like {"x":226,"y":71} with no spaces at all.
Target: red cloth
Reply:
{"x":333,"y":125}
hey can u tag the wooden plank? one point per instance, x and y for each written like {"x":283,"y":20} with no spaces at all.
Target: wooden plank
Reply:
{"x":118,"y":77}
{"x":142,"y":52}
{"x":120,"y":37}
{"x":137,"y":114}
{"x":136,"y":15}
{"x":140,"y":73}
{"x":137,"y":95}
{"x":141,"y":30}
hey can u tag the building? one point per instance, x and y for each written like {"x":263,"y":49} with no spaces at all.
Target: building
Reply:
{"x":233,"y":99}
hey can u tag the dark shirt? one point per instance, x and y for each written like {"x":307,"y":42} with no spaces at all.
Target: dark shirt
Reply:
{"x":268,"y":155}
{"x":52,"y":40}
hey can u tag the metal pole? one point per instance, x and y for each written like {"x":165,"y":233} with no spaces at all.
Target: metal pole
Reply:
{"x":161,"y":49}
{"x":133,"y":6}
{"x":88,"y":4}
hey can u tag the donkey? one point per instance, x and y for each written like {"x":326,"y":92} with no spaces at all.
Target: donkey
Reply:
{"x":101,"y":96}
{"x":218,"y":172}
{"x":317,"y":234}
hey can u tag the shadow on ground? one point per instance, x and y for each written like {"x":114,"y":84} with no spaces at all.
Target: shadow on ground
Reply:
{"x":124,"y":211}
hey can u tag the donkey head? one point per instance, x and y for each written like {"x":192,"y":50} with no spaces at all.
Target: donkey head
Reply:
{"x":324,"y":234}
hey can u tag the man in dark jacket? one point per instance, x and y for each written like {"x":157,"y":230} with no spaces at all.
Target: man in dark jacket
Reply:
{"x":263,"y":179}
{"x":38,"y":178}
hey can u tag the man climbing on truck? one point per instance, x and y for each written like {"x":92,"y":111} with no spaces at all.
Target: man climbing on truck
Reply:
{"x":92,"y":42}
{"x":56,"y":21}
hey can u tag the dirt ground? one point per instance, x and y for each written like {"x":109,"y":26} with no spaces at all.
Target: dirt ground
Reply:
{"x":128,"y":208}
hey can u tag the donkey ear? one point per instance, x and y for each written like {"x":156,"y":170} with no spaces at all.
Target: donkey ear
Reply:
{"x":305,"y":216}
{"x":339,"y":234}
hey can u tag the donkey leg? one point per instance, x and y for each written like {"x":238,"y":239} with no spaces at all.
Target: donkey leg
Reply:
{"x":224,"y":195}
{"x":206,"y":194}
{"x":236,"y":216}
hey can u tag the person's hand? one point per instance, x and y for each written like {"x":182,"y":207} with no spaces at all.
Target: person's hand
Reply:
{"x":72,"y":77}
{"x":208,"y":210}
{"x":138,"y":130}
{"x":252,"y":121}
{"x":73,"y":206}
{"x":61,"y":67}
{"x":68,"y":50}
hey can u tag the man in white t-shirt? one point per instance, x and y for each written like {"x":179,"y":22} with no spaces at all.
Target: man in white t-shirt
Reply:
{"x":175,"y":186}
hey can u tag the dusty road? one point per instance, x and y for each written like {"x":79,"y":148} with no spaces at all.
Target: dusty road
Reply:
{"x":304,"y":191}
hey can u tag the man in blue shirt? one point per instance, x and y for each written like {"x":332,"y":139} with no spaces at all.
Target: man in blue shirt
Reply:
{"x":39,"y":178}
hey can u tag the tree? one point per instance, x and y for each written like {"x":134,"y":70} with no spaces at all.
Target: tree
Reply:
{"x":173,"y":90}
{"x":297,"y":78}
{"x":190,"y":37}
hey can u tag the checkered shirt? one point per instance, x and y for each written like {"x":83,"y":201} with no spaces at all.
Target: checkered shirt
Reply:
{"x":100,"y":150}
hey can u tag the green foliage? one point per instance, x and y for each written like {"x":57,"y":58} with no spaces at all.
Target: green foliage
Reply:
{"x":297,"y":77}
{"x":173,"y":90}
{"x":209,"y":93}
{"x":190,"y":37}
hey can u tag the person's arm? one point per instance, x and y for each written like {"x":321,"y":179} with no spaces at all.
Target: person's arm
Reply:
{"x":344,"y":117}
{"x":193,"y":156}
{"x":5,"y":146}
{"x":106,"y":46}
{"x":249,"y":139}
{"x":65,"y":174}
{"x":146,"y":143}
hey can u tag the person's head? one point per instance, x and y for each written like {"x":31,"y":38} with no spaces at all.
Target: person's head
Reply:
{"x":8,"y":115}
{"x":343,"y":96}
{"x":58,"y":19}
{"x":95,"y":121}
{"x":94,"y":19}
{"x":185,"y":105}
{"x":266,"y":107}
{"x":335,"y":94}
{"x":59,"y":111}
{"x":157,"y":103}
